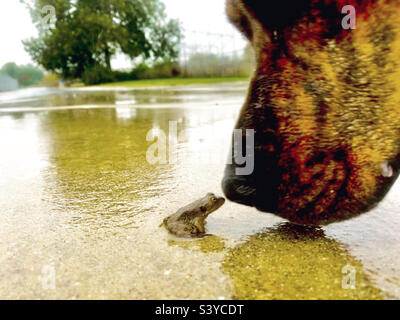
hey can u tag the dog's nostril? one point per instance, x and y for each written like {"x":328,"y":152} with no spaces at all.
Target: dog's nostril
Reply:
{"x":236,"y":192}
{"x":238,"y":188}
{"x":245,"y":191}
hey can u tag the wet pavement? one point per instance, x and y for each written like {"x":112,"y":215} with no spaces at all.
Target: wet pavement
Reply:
{"x":81,"y":207}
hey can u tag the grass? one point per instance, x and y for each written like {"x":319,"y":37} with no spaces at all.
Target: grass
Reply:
{"x":171,"y":82}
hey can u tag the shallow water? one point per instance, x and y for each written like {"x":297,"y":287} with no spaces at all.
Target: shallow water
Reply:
{"x":81,"y":207}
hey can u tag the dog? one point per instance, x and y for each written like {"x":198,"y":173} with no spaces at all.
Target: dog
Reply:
{"x":324,"y":107}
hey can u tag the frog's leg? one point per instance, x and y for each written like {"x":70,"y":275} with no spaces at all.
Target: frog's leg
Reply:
{"x":164,"y":223}
{"x":199,"y":224}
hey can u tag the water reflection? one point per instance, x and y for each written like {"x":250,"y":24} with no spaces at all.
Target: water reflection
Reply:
{"x":125,"y":113}
{"x":100,"y":162}
{"x":292,"y":262}
{"x":288,"y":262}
{"x":45,"y":97}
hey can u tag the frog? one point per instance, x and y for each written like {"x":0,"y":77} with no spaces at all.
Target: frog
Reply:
{"x":189,"y":221}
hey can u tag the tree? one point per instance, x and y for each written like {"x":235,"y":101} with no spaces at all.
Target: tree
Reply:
{"x":10,"y":69}
{"x":88,"y":33}
{"x":29,"y":75}
{"x":26,"y":75}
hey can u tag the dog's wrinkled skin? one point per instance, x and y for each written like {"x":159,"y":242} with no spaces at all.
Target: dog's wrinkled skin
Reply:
{"x":325,"y":107}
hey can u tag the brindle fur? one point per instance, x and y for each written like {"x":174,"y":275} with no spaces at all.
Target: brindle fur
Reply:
{"x":325,"y":106}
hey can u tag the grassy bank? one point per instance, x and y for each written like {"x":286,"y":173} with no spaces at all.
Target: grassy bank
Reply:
{"x":171,"y":82}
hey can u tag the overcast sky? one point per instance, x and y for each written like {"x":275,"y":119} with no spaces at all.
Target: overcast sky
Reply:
{"x":195,"y":15}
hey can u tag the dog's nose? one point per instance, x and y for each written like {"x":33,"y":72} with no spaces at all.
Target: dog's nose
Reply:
{"x":257,"y":187}
{"x":237,"y":188}
{"x":256,"y":190}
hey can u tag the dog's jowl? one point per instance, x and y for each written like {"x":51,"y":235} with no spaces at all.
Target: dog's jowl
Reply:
{"x":324,"y":104}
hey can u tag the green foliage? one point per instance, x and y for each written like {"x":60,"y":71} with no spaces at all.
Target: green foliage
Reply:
{"x":10,"y":69}
{"x":26,"y":75}
{"x":88,"y":33}
{"x":211,"y":65}
{"x":100,"y":74}
{"x":164,"y":69}
{"x":50,"y":80}
{"x":96,"y":75}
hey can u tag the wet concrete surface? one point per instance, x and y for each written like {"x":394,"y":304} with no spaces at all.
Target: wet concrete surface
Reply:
{"x":81,"y":207}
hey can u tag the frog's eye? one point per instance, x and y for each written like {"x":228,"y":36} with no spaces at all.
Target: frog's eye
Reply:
{"x":213,"y":199}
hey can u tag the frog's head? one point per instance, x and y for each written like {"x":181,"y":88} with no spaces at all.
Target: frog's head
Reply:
{"x":211,"y":203}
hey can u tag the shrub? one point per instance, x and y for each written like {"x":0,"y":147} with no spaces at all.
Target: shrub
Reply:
{"x":97,"y":75}
{"x":50,"y":80}
{"x":163,"y":69}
